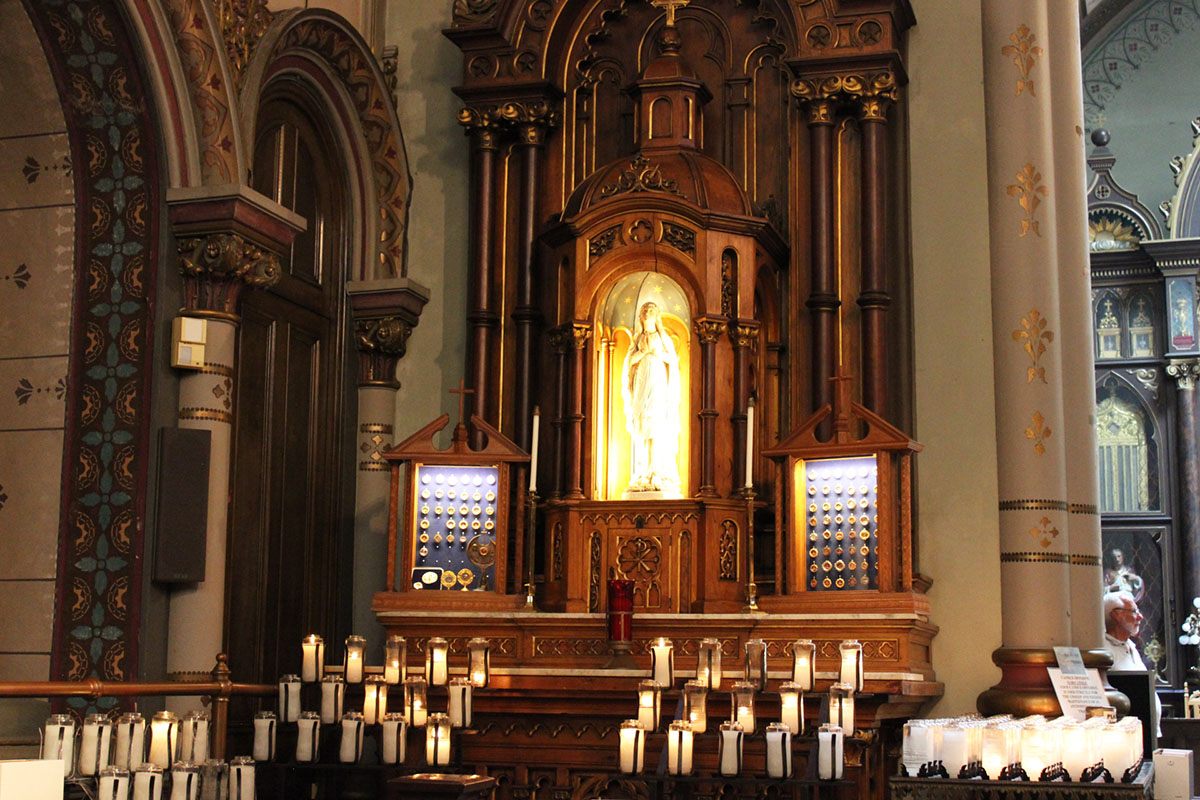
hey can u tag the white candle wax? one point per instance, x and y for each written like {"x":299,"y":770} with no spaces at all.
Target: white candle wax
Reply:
{"x":308,"y":731}
{"x":164,"y":739}
{"x":916,"y":749}
{"x":241,"y":780}
{"x":354,"y":666}
{"x":779,"y":752}
{"x":264,"y":738}
{"x":851,"y":668}
{"x":533,"y":449}
{"x":147,"y":784}
{"x":289,"y":698}
{"x":662,"y":657}
{"x":825,"y":755}
{"x":633,"y":746}
{"x":95,"y":746}
{"x":352,"y":738}
{"x":374,"y":702}
{"x":332,"y":694}
{"x":437,"y":741}
{"x":131,"y":743}
{"x":391,"y":672}
{"x":679,"y":749}
{"x":791,"y":710}
{"x":803,"y":669}
{"x":730,"y":761}
{"x":437,"y":671}
{"x":394,"y":734}
{"x":460,"y":703}
{"x":312,"y":662}
{"x":745,"y":715}
{"x":954,"y":750}
{"x":58,"y":742}
{"x":113,"y":786}
{"x":750,"y":444}
{"x":185,"y":784}
{"x":1076,"y":756}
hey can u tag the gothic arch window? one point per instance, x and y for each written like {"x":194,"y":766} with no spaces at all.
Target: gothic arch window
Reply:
{"x":1128,"y":450}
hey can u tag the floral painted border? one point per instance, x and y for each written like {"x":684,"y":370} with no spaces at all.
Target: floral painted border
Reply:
{"x":1131,"y":44}
{"x":113,"y":148}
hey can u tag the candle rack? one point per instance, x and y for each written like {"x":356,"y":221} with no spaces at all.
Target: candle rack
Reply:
{"x":1138,"y":788}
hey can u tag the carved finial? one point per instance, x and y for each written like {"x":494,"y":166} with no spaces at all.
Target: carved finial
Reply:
{"x":671,"y":6}
{"x":1101,"y":137}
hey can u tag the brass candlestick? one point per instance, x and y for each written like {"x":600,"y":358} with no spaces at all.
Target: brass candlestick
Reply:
{"x":530,"y":546}
{"x":751,"y":586}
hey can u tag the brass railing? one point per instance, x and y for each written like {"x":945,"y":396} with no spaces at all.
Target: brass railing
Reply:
{"x":217,"y":691}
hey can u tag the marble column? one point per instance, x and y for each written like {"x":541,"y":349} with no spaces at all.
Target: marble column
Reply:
{"x":385,"y":312}
{"x":1039,"y":303}
{"x":1187,"y":438}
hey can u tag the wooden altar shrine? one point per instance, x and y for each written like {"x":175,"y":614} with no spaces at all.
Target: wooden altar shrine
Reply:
{"x":706,"y":188}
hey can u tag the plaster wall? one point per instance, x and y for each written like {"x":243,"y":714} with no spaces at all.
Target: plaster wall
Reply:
{"x":958,"y":522}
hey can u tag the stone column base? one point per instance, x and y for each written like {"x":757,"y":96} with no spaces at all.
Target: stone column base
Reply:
{"x":1025,"y":689}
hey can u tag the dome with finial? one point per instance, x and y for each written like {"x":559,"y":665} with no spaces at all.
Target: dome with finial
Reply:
{"x":669,"y":164}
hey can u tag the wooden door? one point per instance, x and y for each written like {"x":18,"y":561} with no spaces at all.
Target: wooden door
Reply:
{"x":291,"y":515}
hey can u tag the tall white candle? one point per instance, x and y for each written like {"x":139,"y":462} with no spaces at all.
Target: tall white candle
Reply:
{"x":264,"y":736}
{"x":804,"y":667}
{"x":415,"y":707}
{"x":851,"y":668}
{"x":374,"y":700}
{"x":58,"y":741}
{"x":350,"y":750}
{"x":437,"y":740}
{"x":193,"y":737}
{"x":742,"y":698}
{"x":147,"y":783}
{"x":333,"y":693}
{"x":185,"y":781}
{"x":131,"y":741}
{"x":241,"y":778}
{"x":312,"y":662}
{"x":533,"y":448}
{"x":916,"y":748}
{"x":708,"y":663}
{"x":729,"y":757}
{"x":829,"y":752}
{"x":954,"y":750}
{"x":164,"y":739}
{"x":395,"y":658}
{"x":460,"y":703}
{"x":779,"y":751}
{"x":662,"y":662}
{"x":395,"y":730}
{"x":695,"y":706}
{"x":95,"y":745}
{"x":113,"y":784}
{"x":791,"y":707}
{"x":289,"y":698}
{"x":355,"y":653}
{"x":750,"y":444}
{"x":308,"y":734}
{"x":633,"y":746}
{"x":649,"y":698}
{"x":679,"y":749}
{"x":436,"y":656}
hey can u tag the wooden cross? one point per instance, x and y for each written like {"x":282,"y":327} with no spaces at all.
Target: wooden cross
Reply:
{"x":462,"y":391}
{"x":671,"y":6}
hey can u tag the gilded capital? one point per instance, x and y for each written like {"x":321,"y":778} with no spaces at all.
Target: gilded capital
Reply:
{"x":580,"y":332}
{"x":482,"y":125}
{"x":872,"y":93}
{"x":709,"y":329}
{"x":560,"y":339}
{"x":382,"y":342}
{"x":744,"y":333}
{"x":1185,"y":372}
{"x":217,"y":266}
{"x":536,"y":112}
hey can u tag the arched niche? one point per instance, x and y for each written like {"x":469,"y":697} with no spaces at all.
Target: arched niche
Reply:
{"x":1128,"y":443}
{"x":633,"y":372}
{"x":1108,"y":313}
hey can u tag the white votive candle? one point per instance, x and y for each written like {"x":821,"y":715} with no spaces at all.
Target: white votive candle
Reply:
{"x":851,"y":669}
{"x":695,"y":706}
{"x":779,"y":751}
{"x":437,"y":740}
{"x":185,"y":781}
{"x":633,"y":746}
{"x":308,"y":733}
{"x":395,"y":731}
{"x":415,"y":705}
{"x":742,"y":711}
{"x":395,"y":660}
{"x":289,"y":698}
{"x":58,"y":741}
{"x":649,"y":698}
{"x":312,"y":658}
{"x":954,"y":750}
{"x":708,"y":663}
{"x":915,"y":751}
{"x":356,"y":647}
{"x":829,"y":752}
{"x":679,"y":748}
{"x":264,"y":736}
{"x":131,"y":741}
{"x":804,"y":664}
{"x":729,"y":749}
{"x":193,"y":737}
{"x":147,"y":782}
{"x":374,"y":699}
{"x":791,"y":707}
{"x":350,"y":750}
{"x":460,"y":703}
{"x":241,"y":778}
{"x":437,"y":653}
{"x":333,"y":695}
{"x":662,"y":662}
{"x":164,"y":739}
{"x":113,"y":784}
{"x":95,"y":744}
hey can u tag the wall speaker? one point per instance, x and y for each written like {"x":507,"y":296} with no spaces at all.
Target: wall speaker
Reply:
{"x":181,"y":523}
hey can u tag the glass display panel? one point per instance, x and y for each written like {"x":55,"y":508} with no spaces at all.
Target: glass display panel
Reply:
{"x":839,"y":501}
{"x":454,"y":536}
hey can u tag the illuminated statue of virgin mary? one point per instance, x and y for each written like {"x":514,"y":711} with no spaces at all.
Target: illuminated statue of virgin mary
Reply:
{"x":651,"y":388}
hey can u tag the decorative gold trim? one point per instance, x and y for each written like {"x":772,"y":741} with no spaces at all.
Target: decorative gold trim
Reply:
{"x":1033,"y":505}
{"x":216,"y":369}
{"x":206,"y":414}
{"x":1081,"y":560}
{"x":1034,"y":336}
{"x":1038,"y":432}
{"x":372,"y":466}
{"x":206,"y":313}
{"x":1024,"y":54}
{"x":1044,"y":532}
{"x":1033,"y":558}
{"x":1029,"y":191}
{"x":376,"y":427}
{"x":1083,"y":508}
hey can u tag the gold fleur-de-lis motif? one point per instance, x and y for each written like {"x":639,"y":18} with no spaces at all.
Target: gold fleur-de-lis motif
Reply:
{"x":1038,"y":433}
{"x":1029,"y":191}
{"x":1044,"y":532}
{"x":1033,"y":337}
{"x":1024,"y":54}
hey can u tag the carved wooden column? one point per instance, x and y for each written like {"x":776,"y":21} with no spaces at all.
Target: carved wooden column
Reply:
{"x":1185,"y":372}
{"x":385,"y":312}
{"x":879,"y":92}
{"x":709,"y":330}
{"x":560,"y":342}
{"x":744,"y":334}
{"x":532,"y":121}
{"x":823,"y":301}
{"x":579,"y":332}
{"x":226,"y":243}
{"x":484,"y":133}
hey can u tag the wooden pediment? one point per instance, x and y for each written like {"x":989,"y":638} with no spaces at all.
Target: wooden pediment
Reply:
{"x":422,"y":447}
{"x":880,"y":434}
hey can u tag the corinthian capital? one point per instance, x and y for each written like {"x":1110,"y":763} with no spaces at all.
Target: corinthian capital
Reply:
{"x":382,"y":342}
{"x":709,"y":329}
{"x":216,"y":267}
{"x":871,"y":92}
{"x":1185,"y":372}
